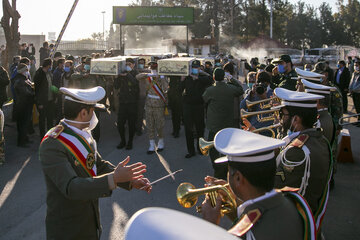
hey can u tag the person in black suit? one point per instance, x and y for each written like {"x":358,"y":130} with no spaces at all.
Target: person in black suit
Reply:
{"x":342,"y":80}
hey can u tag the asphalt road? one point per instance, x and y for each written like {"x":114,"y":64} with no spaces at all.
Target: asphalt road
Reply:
{"x":23,"y":192}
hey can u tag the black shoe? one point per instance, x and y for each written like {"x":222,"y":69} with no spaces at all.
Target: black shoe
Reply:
{"x":129,"y":146}
{"x":121,"y":145}
{"x":160,"y":149}
{"x":150,"y":152}
{"x":189,"y":155}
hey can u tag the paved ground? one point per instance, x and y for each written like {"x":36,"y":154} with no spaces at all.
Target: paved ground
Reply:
{"x":22,"y":187}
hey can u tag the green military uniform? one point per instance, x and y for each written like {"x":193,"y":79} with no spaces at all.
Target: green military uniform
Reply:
{"x":72,"y":196}
{"x":327,"y":125}
{"x":269,"y":219}
{"x":312,"y":145}
{"x":336,"y":105}
{"x":286,"y":80}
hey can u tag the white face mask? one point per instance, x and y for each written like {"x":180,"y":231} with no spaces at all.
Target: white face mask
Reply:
{"x":92,"y":123}
{"x":356,"y":68}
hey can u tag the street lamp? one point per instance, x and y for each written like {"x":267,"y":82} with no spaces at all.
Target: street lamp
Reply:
{"x":103,"y":13}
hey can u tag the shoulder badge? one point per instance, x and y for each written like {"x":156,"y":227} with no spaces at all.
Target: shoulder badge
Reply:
{"x":300,"y":141}
{"x":246,"y":223}
{"x":56,"y":131}
{"x":288,"y":189}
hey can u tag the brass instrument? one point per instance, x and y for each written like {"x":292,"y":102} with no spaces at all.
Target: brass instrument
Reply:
{"x":342,"y":123}
{"x":264,"y":103}
{"x":268,"y":128}
{"x":260,"y":118}
{"x":187,"y":195}
{"x":205,"y":146}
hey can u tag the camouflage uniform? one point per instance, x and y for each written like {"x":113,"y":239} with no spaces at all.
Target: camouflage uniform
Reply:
{"x":286,"y":80}
{"x":154,"y":106}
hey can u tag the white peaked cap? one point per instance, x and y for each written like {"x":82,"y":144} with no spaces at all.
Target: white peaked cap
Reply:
{"x":85,"y":96}
{"x":296,"y":99}
{"x":166,"y":224}
{"x":311,"y":87}
{"x":241,"y":146}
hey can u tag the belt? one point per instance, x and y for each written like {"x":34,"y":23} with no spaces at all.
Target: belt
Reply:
{"x":153,"y":96}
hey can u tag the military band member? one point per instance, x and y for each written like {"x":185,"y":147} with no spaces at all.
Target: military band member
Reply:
{"x":284,"y":75}
{"x":76,"y":176}
{"x":155,"y":104}
{"x":325,"y":121}
{"x":264,"y":213}
{"x":305,"y":162}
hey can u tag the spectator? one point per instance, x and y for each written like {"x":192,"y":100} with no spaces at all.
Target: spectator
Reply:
{"x":57,"y":56}
{"x":4,"y":82}
{"x":342,"y":80}
{"x":24,"y":50}
{"x":354,"y":87}
{"x":58,"y":81}
{"x":69,"y":70}
{"x":44,"y":96}
{"x":32,"y":67}
{"x":44,"y":52}
{"x":24,"y":95}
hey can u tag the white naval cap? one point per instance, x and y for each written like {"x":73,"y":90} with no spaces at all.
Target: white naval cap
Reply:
{"x":166,"y":224}
{"x":244,"y":146}
{"x":296,"y":99}
{"x":88,"y":96}
{"x":311,"y":87}
{"x":309,"y":75}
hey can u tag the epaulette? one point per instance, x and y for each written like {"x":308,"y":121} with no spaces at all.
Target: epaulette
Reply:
{"x":246,"y":223}
{"x":55,"y":131}
{"x":300,"y":141}
{"x":287,"y":189}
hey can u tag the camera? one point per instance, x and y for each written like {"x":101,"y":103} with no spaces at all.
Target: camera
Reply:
{"x":260,"y":88}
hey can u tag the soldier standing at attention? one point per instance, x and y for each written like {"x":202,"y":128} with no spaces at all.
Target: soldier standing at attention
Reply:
{"x":262,"y":212}
{"x":193,"y":87}
{"x":155,"y":104}
{"x":284,"y":75}
{"x":75,"y":174}
{"x":305,"y":162}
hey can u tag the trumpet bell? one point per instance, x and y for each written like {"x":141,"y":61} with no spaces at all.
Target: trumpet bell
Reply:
{"x":205,"y":146}
{"x":182,"y":190}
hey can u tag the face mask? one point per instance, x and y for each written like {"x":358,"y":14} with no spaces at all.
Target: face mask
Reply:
{"x":92,"y":123}
{"x":67,"y":69}
{"x":338,"y":66}
{"x":154,"y":72}
{"x":228,"y":75}
{"x":218,"y":64}
{"x":250,"y":85}
{"x":87,"y":67}
{"x":356,"y":68}
{"x":291,"y":131}
{"x":308,"y":69}
{"x":128,"y":69}
{"x":141,"y":66}
{"x":281,"y":68}
{"x":29,"y":66}
{"x":195,"y":71}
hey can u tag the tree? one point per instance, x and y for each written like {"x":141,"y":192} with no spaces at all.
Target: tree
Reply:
{"x":10,"y":24}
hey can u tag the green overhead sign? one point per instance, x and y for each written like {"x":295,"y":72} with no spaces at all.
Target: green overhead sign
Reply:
{"x":153,"y":15}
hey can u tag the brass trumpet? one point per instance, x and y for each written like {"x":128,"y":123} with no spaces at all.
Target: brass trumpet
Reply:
{"x":268,"y":128}
{"x":260,"y":118}
{"x":187,"y":195}
{"x":264,"y":103}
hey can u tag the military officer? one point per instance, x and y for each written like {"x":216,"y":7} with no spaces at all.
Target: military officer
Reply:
{"x":155,"y":104}
{"x":75,"y":173}
{"x":305,"y":162}
{"x":175,"y":104}
{"x":325,"y":121}
{"x":284,"y":75}
{"x":262,"y":212}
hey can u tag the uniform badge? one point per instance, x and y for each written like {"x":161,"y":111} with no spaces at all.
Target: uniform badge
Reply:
{"x":56,"y":131}
{"x":90,"y":161}
{"x":76,"y":163}
{"x":282,"y":175}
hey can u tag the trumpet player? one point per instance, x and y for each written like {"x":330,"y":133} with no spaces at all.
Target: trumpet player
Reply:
{"x":251,"y":172}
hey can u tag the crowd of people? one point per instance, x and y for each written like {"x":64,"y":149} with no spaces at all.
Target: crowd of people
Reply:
{"x":299,"y":107}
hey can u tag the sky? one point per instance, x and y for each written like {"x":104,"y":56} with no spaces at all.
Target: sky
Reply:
{"x":43,"y":16}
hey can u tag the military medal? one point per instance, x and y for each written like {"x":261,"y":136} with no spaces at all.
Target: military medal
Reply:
{"x":90,"y":161}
